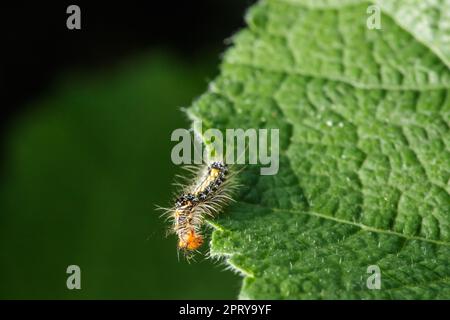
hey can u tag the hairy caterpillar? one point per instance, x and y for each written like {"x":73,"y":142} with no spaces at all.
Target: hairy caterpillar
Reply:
{"x":210,"y":189}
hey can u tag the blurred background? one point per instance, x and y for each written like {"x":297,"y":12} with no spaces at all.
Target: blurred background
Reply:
{"x":85,"y":123}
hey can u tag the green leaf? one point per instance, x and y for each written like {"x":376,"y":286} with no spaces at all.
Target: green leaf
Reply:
{"x":364,"y":173}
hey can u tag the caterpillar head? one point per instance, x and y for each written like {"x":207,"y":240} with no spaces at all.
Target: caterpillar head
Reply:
{"x":192,"y":241}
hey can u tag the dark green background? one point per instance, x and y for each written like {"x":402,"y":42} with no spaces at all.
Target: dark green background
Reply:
{"x":84,"y":168}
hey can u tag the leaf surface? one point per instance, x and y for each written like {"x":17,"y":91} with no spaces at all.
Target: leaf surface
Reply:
{"x":364,"y":137}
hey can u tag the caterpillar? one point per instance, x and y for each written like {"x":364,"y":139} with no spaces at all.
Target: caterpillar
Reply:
{"x":211,"y":189}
